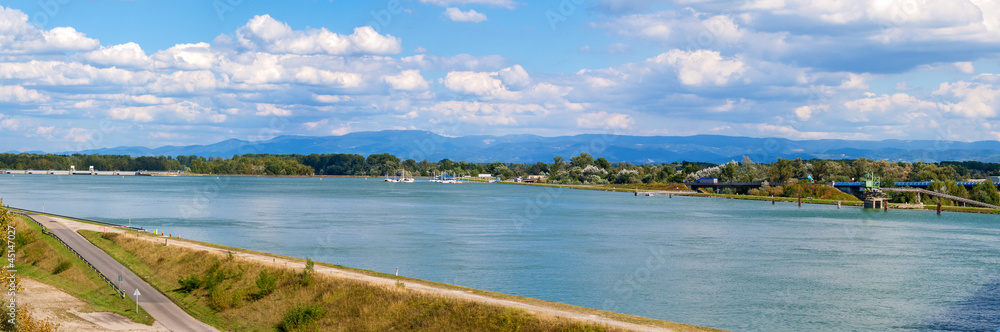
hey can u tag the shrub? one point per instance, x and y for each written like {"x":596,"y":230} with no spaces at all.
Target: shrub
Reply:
{"x":300,"y":316}
{"x":266,"y":284}
{"x":62,"y":266}
{"x":189,"y":284}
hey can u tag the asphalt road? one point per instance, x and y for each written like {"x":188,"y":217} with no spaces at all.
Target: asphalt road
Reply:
{"x":155,"y":303}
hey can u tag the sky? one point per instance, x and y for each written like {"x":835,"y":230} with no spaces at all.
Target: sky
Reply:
{"x":78,"y":75}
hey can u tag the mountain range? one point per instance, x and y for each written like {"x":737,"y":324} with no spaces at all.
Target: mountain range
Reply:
{"x":420,"y":145}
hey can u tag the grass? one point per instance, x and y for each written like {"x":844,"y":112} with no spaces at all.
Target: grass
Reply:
{"x":236,"y":294}
{"x":805,"y":200}
{"x":963,"y":209}
{"x":615,"y":187}
{"x":561,"y":306}
{"x":42,"y":257}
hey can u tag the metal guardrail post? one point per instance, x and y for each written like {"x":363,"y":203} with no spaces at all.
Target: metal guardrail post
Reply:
{"x":113,"y":286}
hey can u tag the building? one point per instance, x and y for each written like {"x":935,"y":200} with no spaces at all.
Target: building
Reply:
{"x":995,"y":179}
{"x":485,"y":176}
{"x":535,"y":178}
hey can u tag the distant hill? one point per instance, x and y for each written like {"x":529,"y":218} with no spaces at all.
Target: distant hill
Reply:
{"x":420,"y":145}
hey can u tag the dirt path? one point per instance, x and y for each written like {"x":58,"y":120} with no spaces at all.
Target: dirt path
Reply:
{"x":47,"y":302}
{"x":391,"y":282}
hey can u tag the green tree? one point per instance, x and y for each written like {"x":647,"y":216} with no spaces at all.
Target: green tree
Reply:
{"x":557,"y":165}
{"x":581,"y":161}
{"x":602,"y":163}
{"x":986,"y":192}
{"x":781,"y":171}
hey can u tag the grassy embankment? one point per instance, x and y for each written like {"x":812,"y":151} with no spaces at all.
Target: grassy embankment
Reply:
{"x":642,"y":187}
{"x":42,"y":257}
{"x":236,"y":294}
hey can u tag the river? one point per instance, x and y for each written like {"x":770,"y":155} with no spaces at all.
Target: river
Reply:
{"x":729,"y":264}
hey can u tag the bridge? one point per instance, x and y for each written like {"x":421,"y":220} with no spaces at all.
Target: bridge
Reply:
{"x":964,"y":201}
{"x":854,"y":188}
{"x":91,"y":171}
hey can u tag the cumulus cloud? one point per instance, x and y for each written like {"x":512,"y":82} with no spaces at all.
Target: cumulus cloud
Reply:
{"x":271,"y":110}
{"x":468,"y":82}
{"x":515,"y":77}
{"x":17,"y":36}
{"x":182,"y":112}
{"x":458,"y":15}
{"x":123,"y":55}
{"x":408,"y":80}
{"x":19,"y":94}
{"x":702,"y":67}
{"x":509,"y":4}
{"x":481,"y":112}
{"x":187,"y":57}
{"x":974,"y":100}
{"x":264,"y":33}
{"x":605,"y":120}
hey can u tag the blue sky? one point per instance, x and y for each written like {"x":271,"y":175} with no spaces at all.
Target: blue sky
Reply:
{"x":78,"y":75}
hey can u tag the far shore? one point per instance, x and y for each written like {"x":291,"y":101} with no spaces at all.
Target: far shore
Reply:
{"x":805,"y":200}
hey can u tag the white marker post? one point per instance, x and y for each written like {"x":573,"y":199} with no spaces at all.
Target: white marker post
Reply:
{"x":136,"y":299}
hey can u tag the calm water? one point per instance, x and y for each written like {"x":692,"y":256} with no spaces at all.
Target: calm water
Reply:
{"x":728,"y":264}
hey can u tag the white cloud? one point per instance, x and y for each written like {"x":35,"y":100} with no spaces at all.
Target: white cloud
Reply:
{"x":458,"y":15}
{"x":482,"y":113}
{"x":271,"y":110}
{"x":267,"y":34}
{"x":457,"y":62}
{"x":123,"y":55}
{"x":702,"y":67}
{"x":605,"y":120}
{"x":310,"y":75}
{"x":17,"y":36}
{"x":468,"y":82}
{"x":974,"y":100}
{"x":183,"y":112}
{"x":894,"y":108}
{"x":515,"y":77}
{"x":184,"y":82}
{"x":187,"y":57}
{"x":965,"y":67}
{"x":509,"y":4}
{"x":408,"y":80}
{"x":70,"y":73}
{"x":805,"y":113}
{"x":19,"y":94}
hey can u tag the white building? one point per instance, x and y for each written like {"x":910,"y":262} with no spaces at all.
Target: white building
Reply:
{"x":485,"y":175}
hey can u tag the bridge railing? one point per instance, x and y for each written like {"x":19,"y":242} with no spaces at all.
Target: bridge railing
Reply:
{"x":118,"y":290}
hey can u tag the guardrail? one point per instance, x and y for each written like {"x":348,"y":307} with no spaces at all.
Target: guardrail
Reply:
{"x":13,"y":209}
{"x":117,"y":289}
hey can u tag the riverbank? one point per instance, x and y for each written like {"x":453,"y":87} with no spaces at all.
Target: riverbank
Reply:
{"x":433,"y":302}
{"x":673,"y":189}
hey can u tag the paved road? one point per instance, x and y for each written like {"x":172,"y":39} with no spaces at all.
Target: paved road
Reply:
{"x":155,"y":303}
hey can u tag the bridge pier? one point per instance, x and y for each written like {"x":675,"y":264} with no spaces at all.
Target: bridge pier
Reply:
{"x":876,"y":203}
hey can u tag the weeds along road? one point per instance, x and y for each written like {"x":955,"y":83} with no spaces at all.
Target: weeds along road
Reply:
{"x":155,"y":303}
